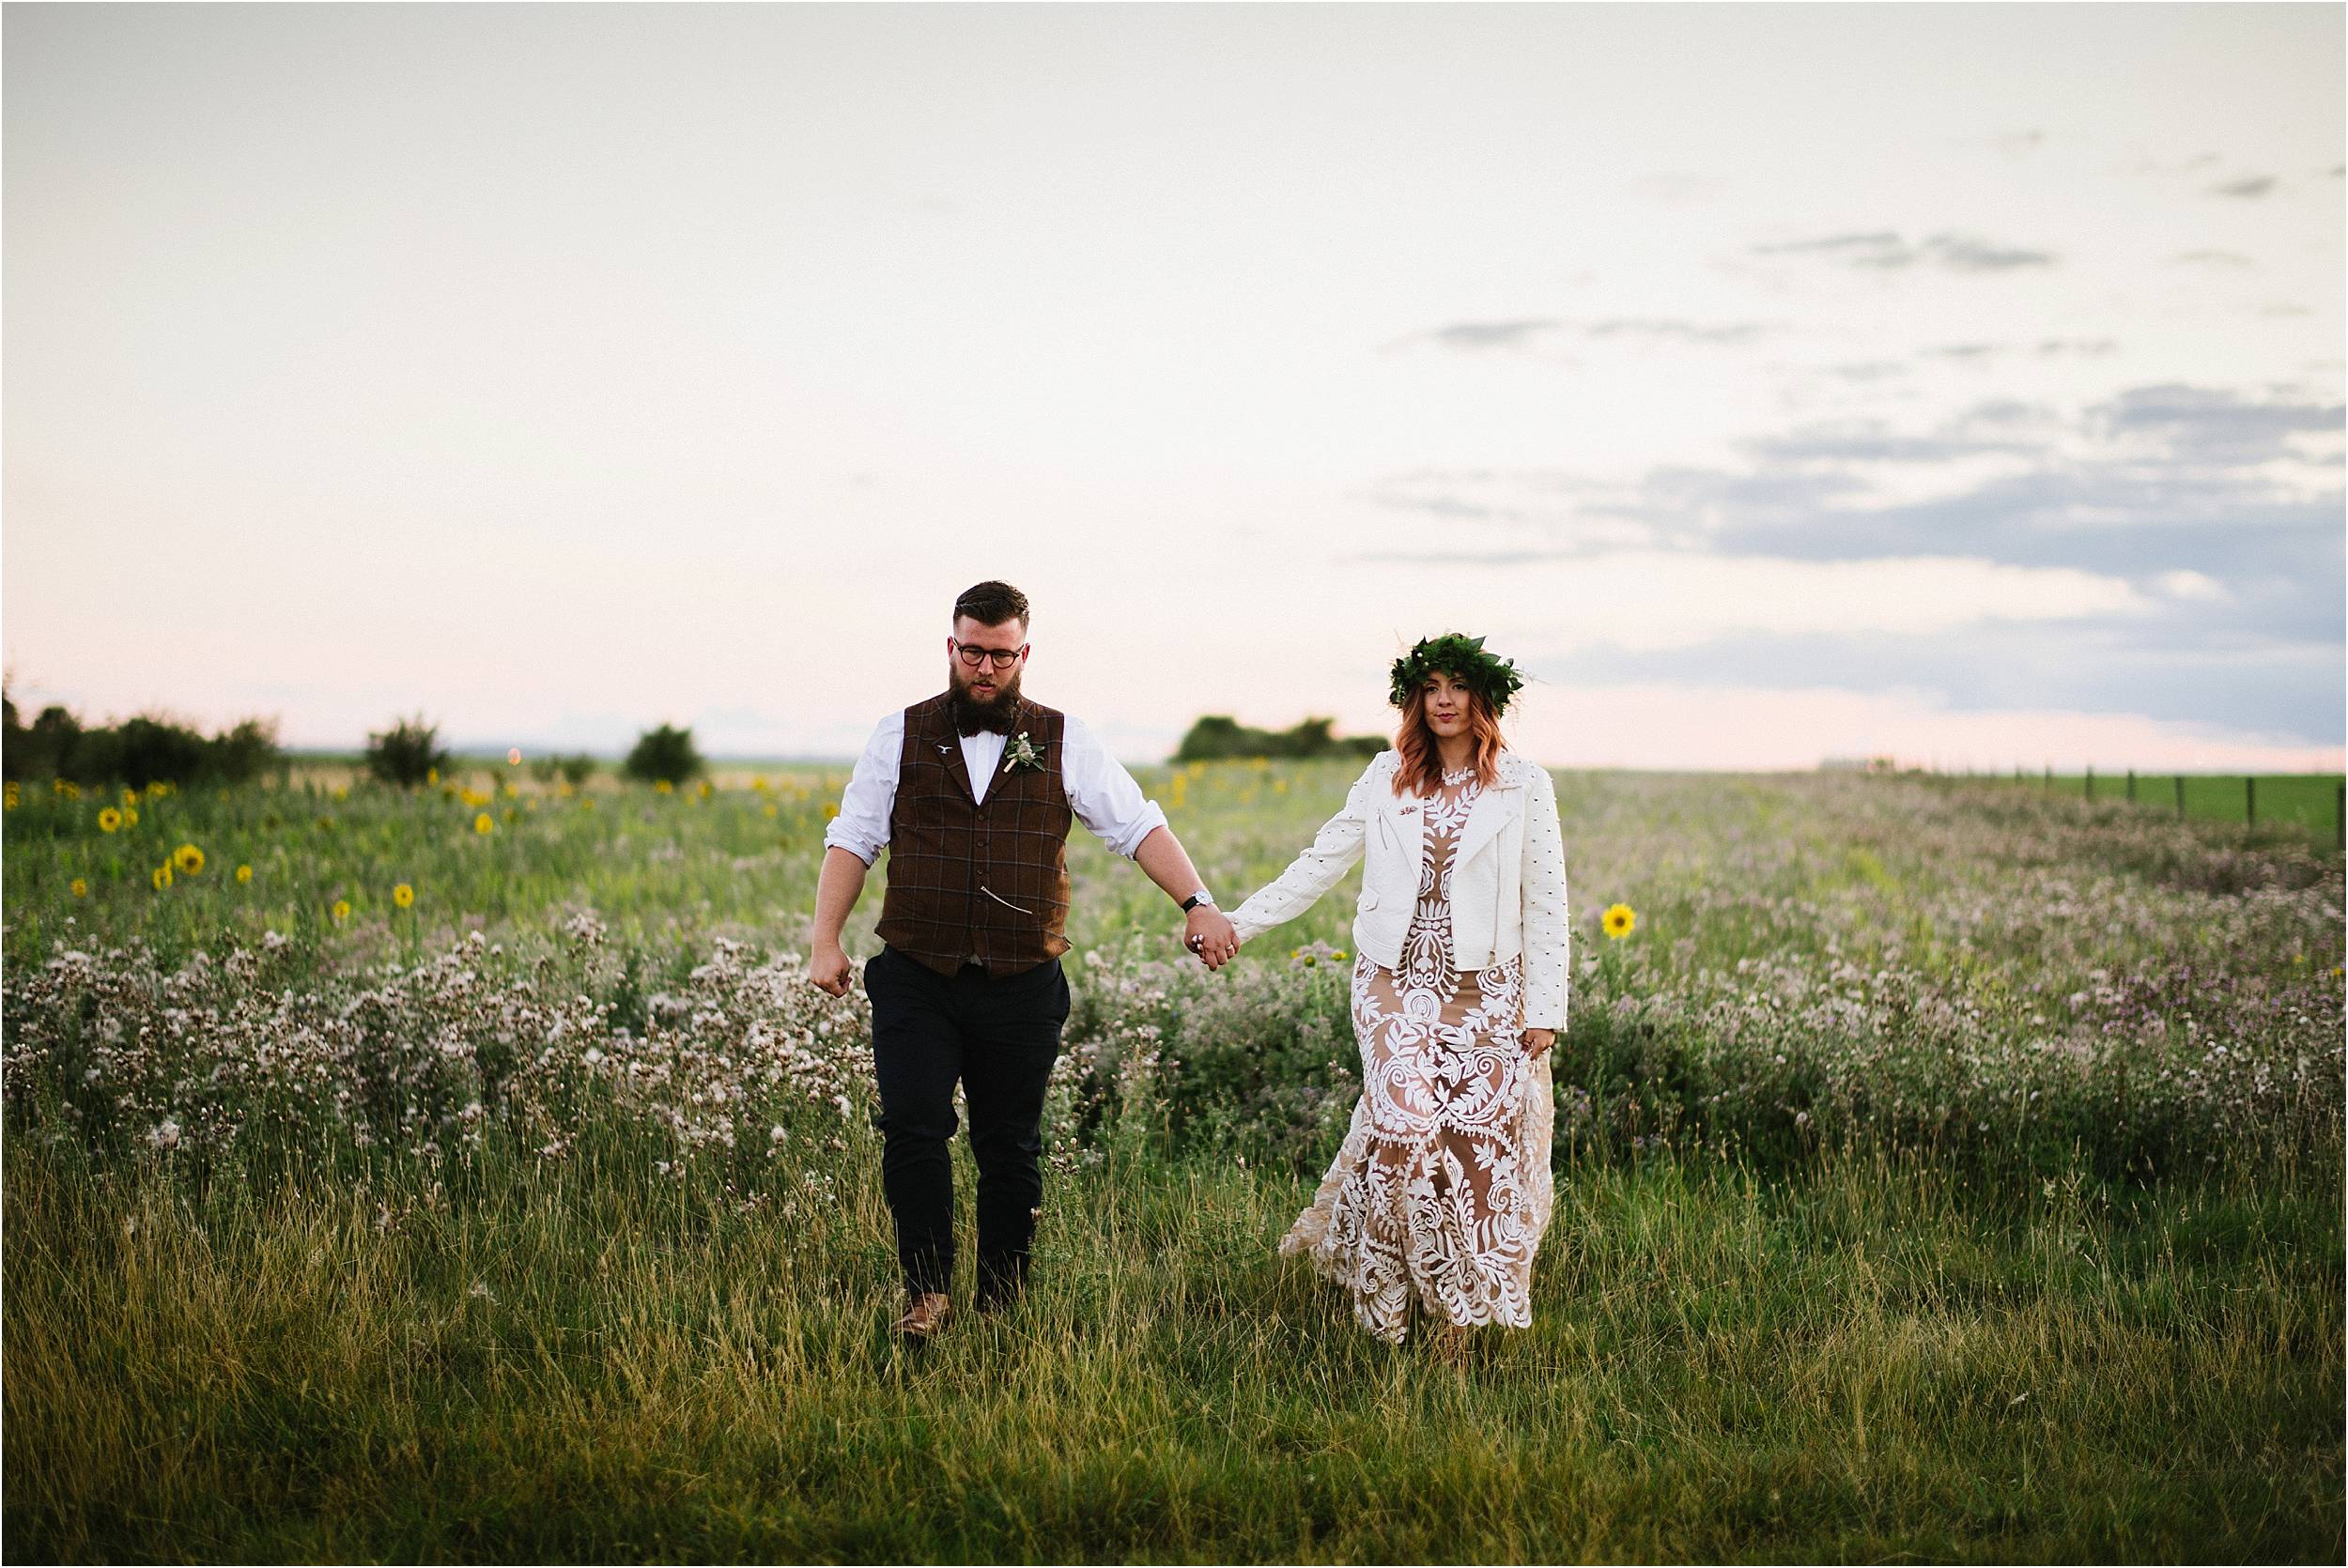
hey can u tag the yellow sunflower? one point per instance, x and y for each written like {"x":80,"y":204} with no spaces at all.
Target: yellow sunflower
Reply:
{"x":130,"y":798}
{"x":1619,"y":920}
{"x":342,"y":909}
{"x":131,"y":816}
{"x":187,"y":858}
{"x":431,"y":775}
{"x":484,"y":822}
{"x":81,"y":888}
{"x":161,"y":876}
{"x":403,"y":895}
{"x":244,"y":873}
{"x":108,"y":820}
{"x":662,"y":786}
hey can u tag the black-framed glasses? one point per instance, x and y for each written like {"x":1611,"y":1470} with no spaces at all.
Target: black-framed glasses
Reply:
{"x":972,"y":655}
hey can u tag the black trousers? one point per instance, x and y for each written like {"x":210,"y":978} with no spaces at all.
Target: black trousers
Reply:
{"x":999,"y":1039}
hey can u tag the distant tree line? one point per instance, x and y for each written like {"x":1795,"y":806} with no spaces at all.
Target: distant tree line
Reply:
{"x":1219,"y":735}
{"x":137,"y":752}
{"x":147,"y":749}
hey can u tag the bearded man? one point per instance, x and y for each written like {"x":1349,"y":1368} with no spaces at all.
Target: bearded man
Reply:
{"x":973,"y":790}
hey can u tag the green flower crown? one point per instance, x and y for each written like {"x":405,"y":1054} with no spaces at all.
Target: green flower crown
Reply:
{"x":1462,"y":658}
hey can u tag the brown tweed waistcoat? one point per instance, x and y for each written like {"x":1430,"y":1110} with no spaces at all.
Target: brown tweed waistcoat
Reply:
{"x":967,"y":879}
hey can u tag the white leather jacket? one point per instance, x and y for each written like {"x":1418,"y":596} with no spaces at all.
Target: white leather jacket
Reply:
{"x":1507,"y":877}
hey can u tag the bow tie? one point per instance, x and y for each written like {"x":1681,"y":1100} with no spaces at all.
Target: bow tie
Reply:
{"x":977,"y":726}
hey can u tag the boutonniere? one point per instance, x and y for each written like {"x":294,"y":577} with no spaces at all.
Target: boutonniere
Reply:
{"x":1021,"y":753}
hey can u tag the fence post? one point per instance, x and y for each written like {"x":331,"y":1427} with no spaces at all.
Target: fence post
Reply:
{"x":2049,"y":784}
{"x":2249,"y":800}
{"x":2131,"y":786}
{"x":2087,"y":791}
{"x":2180,"y":797}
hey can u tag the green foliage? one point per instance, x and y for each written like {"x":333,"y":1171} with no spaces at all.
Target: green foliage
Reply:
{"x":1464,"y":659}
{"x":140,"y":751}
{"x":1217,"y":737}
{"x":407,"y":753}
{"x":574,"y":768}
{"x":665,"y":754}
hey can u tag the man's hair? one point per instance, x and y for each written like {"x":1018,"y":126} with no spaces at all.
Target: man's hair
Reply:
{"x":991,"y":603}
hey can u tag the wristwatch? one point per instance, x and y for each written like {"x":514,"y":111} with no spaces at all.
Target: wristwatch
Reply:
{"x":1201,"y":897}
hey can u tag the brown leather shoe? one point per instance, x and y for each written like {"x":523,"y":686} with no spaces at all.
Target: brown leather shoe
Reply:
{"x":924,"y":1315}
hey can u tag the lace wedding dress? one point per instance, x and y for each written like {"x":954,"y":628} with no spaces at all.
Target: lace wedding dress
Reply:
{"x":1442,"y":1187}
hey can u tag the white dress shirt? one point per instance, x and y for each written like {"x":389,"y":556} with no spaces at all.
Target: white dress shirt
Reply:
{"x":1101,"y":792}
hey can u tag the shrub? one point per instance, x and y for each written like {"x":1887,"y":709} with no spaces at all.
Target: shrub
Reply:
{"x":666,"y":753}
{"x":406,"y":754}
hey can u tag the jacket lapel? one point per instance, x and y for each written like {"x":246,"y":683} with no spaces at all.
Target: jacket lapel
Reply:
{"x":1487,"y":817}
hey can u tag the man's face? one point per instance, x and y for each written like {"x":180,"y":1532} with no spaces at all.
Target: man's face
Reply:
{"x":985,"y":683}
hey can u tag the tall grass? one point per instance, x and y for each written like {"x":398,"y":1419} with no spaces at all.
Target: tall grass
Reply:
{"x":1945,"y":1172}
{"x":1867,"y":1362}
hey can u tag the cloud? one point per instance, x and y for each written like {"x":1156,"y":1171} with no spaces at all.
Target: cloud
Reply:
{"x":2212,"y":258}
{"x":2015,"y":142}
{"x":2214,"y":426}
{"x":1887,"y":250}
{"x":2163,"y":668}
{"x":1532,"y":334}
{"x":2158,"y":479}
{"x":2248,"y":188}
{"x":1474,"y":336}
{"x":1979,"y":353}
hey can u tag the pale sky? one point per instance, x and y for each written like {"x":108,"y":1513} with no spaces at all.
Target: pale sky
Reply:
{"x":1963,"y":382}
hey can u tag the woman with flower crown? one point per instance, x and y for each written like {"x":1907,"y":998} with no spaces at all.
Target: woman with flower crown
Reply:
{"x":1436,"y":1202}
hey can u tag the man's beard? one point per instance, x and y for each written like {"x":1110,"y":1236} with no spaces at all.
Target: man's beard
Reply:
{"x":971,"y":716}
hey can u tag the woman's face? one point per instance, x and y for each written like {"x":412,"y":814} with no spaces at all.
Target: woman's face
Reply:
{"x":1447,"y":706}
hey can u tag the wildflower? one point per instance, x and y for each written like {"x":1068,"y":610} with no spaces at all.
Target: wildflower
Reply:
{"x":130,"y":798}
{"x":480,"y":1291}
{"x":244,"y":873}
{"x":130,"y":816}
{"x":341,"y":791}
{"x":109,"y":820}
{"x":187,"y":858}
{"x":662,"y":786}
{"x":484,"y":822}
{"x":81,"y":888}
{"x":774,"y":1134}
{"x":431,"y":775}
{"x":342,"y":909}
{"x":161,"y":876}
{"x":166,"y":1135}
{"x":403,"y":895}
{"x":1619,"y":920}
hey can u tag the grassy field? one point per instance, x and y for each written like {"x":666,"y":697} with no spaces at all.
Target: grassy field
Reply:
{"x":1946,"y":1171}
{"x":2307,"y":801}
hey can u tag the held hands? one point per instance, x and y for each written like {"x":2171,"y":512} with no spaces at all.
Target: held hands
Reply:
{"x":1209,"y":933}
{"x":827,"y":969}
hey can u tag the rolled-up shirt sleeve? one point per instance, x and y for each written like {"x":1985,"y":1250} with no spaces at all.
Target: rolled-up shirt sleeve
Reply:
{"x":1102,"y":793}
{"x":862,"y":826}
